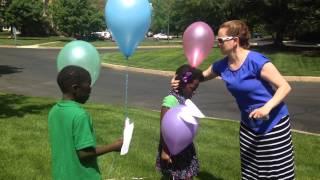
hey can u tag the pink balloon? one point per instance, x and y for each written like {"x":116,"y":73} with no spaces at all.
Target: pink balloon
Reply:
{"x":176,"y":133}
{"x":198,"y":41}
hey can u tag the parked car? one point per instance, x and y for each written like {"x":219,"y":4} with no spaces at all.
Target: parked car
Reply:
{"x":149,"y":34}
{"x":256,"y":35}
{"x":103,"y":35}
{"x":87,"y":37}
{"x":161,"y":36}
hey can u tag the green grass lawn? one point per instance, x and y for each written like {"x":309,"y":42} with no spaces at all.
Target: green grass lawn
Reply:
{"x":5,"y":39}
{"x":56,"y":41}
{"x":109,"y":43}
{"x":289,"y":63}
{"x":25,"y":153}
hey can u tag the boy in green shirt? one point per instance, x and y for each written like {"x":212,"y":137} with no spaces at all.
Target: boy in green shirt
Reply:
{"x":72,"y":138}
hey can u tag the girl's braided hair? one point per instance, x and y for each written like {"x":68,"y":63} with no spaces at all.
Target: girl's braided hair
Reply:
{"x":186,"y":74}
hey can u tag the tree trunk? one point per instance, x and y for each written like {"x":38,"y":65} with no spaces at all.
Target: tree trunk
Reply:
{"x":278,"y":39}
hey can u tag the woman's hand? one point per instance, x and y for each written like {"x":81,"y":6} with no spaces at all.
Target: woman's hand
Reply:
{"x":174,"y":83}
{"x":165,"y":157}
{"x":260,"y":113}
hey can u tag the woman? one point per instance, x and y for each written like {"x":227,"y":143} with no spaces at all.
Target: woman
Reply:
{"x":266,"y":148}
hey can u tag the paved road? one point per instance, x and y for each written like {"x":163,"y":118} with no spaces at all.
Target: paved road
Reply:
{"x":33,"y":72}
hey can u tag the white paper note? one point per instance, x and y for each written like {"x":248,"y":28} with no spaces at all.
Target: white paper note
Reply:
{"x":193,"y":109}
{"x":184,"y":115}
{"x":127,"y":135}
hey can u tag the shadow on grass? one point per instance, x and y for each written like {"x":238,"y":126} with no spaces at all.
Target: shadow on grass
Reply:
{"x":202,"y":175}
{"x":271,"y":49}
{"x":6,"y":37}
{"x":5,"y":69}
{"x":17,"y":106}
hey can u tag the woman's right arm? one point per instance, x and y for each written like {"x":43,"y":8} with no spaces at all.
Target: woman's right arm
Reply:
{"x":209,"y":74}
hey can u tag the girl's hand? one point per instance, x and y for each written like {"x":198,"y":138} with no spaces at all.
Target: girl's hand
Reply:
{"x":260,"y":113}
{"x":165,"y":157}
{"x":174,"y":83}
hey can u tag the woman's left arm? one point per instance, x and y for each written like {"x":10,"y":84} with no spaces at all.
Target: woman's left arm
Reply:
{"x":271,"y":74}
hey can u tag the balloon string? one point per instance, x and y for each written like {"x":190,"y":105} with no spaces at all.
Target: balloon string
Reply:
{"x":126,"y":90}
{"x":111,"y":168}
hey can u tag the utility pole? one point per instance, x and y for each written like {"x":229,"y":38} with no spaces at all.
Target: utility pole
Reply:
{"x":14,"y":30}
{"x":168,"y":28}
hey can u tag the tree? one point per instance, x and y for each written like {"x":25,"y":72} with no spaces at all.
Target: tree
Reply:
{"x":27,"y":16}
{"x":307,"y":23}
{"x":284,"y":18}
{"x":184,"y":12}
{"x":161,"y":15}
{"x":189,"y":11}
{"x":2,"y":13}
{"x":76,"y":17}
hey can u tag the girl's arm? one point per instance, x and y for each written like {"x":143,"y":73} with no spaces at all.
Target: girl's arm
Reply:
{"x":164,"y":152}
{"x":271,"y":74}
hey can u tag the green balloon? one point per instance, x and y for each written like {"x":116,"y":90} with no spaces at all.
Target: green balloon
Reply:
{"x":83,"y":54}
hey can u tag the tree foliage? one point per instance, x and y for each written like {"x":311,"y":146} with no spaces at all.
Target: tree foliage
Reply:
{"x":4,"y":4}
{"x":27,"y":16}
{"x":281,"y":18}
{"x":76,"y":17}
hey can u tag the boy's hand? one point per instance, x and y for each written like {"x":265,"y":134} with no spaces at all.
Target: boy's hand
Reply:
{"x":165,"y":157}
{"x":117,"y":145}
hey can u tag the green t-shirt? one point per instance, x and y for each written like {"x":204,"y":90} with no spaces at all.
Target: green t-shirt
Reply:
{"x":70,"y":129}
{"x":170,"y":101}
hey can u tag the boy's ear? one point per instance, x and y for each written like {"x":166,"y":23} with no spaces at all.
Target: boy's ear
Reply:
{"x":74,"y":87}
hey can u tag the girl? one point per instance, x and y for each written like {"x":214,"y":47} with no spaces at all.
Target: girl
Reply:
{"x":184,"y":165}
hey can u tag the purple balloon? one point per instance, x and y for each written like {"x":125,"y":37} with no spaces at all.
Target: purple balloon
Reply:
{"x":198,"y":41}
{"x":176,"y":133}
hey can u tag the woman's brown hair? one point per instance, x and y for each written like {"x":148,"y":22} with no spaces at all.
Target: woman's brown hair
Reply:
{"x":238,"y":28}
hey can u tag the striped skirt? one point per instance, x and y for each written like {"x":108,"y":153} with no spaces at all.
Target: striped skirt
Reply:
{"x":267,"y":156}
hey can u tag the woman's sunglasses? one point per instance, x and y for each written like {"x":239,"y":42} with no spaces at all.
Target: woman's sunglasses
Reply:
{"x":221,"y":40}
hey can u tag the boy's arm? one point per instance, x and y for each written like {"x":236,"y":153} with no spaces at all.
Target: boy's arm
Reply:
{"x":91,"y":152}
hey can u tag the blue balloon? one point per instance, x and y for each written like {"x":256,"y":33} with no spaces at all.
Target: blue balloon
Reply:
{"x":128,"y":21}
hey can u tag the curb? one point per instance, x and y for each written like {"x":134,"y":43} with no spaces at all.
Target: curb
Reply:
{"x":141,"y":70}
{"x":157,"y":72}
{"x":171,"y":73}
{"x":302,"y":79}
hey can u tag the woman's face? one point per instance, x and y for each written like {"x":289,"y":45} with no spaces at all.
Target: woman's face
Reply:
{"x":190,"y":88}
{"x":226,"y":43}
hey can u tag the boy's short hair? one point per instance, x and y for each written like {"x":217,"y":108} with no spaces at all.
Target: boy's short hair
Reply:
{"x":71,"y":75}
